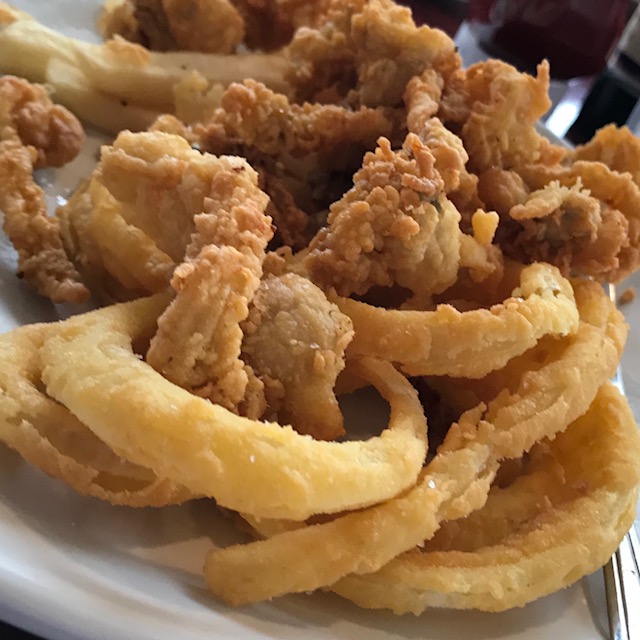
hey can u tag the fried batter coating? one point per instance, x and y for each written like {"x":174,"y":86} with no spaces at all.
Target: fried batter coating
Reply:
{"x":36,"y":133}
{"x":117,"y":261}
{"x":616,"y":147}
{"x":270,"y":24}
{"x":295,"y":338}
{"x":210,"y":26}
{"x":569,"y":228}
{"x":604,"y":244}
{"x":505,"y":105}
{"x":386,"y":229}
{"x":366,"y":51}
{"x":162,"y":184}
{"x":305,"y":153}
{"x":197,"y":345}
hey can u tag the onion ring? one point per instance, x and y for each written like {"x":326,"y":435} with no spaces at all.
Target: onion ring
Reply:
{"x":557,"y":545}
{"x":255,"y":467}
{"x":46,"y":435}
{"x":470,"y":344}
{"x":456,"y":481}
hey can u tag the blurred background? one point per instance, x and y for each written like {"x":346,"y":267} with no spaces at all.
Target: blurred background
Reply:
{"x":593,"y":47}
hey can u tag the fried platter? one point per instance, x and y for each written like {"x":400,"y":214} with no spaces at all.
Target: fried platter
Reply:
{"x":301,"y":199}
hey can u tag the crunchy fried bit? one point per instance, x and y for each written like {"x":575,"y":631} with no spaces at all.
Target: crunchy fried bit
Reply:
{"x":211,"y":26}
{"x":616,"y":147}
{"x":36,"y":133}
{"x":385,"y":229}
{"x":422,"y":99}
{"x":198,"y":341}
{"x":627,"y":296}
{"x":295,"y":338}
{"x":615,"y":252}
{"x":504,"y":108}
{"x":477,"y":253}
{"x":567,"y":227}
{"x":307,"y":153}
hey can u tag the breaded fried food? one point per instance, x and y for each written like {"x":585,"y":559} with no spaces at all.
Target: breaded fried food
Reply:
{"x":197,"y":345}
{"x":210,"y":26}
{"x":365,"y":52}
{"x":34,"y":133}
{"x":607,"y":237}
{"x":614,"y":146}
{"x":305,"y":153}
{"x":394,"y":226}
{"x":504,"y":106}
{"x":295,"y":338}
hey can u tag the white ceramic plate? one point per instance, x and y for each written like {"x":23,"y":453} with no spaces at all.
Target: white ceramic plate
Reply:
{"x":73,"y":568}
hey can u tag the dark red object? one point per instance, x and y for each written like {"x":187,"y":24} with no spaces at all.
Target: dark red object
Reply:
{"x":576,"y":36}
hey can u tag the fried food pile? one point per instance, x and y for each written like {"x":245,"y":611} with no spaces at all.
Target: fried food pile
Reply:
{"x":376,"y":216}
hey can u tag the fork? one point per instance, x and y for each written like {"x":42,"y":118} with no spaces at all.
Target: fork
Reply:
{"x":622,"y":572}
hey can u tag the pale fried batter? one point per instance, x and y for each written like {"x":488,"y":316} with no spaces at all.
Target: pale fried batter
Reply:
{"x":36,"y":133}
{"x":197,"y":344}
{"x":504,"y":108}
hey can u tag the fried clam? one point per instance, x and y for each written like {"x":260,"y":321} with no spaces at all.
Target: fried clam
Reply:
{"x":257,"y":467}
{"x":394,"y":226}
{"x":602,"y":241}
{"x":199,"y":337}
{"x":52,"y":439}
{"x":471,"y":343}
{"x":456,"y":482}
{"x":129,"y":225}
{"x":295,"y":340}
{"x":117,"y":260}
{"x":36,"y":133}
{"x":557,"y":522}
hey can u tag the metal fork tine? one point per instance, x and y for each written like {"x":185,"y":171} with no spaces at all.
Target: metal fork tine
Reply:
{"x":622,"y":572}
{"x":622,"y":585}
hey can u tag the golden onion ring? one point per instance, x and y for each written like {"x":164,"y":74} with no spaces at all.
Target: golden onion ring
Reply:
{"x":465,"y":344}
{"x":553,"y":547}
{"x":452,"y":485}
{"x":256,"y":467}
{"x":48,"y":436}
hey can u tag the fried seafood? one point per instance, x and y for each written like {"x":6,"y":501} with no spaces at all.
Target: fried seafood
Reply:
{"x":215,"y":27}
{"x":602,"y":240}
{"x":305,"y":153}
{"x":295,"y":339}
{"x":504,"y":106}
{"x":36,"y":133}
{"x":170,"y":25}
{"x":616,"y":147}
{"x":349,"y":209}
{"x":386,"y":229}
{"x":197,"y":345}
{"x":365,"y":52}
